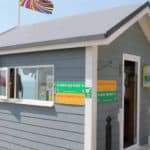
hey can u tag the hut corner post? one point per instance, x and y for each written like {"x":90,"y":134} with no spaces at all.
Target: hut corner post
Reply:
{"x":90,"y":131}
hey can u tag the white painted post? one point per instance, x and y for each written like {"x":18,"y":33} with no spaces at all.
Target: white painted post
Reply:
{"x":90,"y":139}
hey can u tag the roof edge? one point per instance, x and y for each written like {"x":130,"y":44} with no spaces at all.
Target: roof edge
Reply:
{"x":81,"y":38}
{"x":125,"y":20}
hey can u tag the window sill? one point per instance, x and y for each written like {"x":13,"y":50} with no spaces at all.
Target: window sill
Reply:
{"x":28,"y":102}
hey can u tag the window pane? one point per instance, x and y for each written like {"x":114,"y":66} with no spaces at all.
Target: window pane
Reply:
{"x":35,"y":83}
{"x":3,"y":83}
{"x":45,"y":84}
{"x":26,"y":83}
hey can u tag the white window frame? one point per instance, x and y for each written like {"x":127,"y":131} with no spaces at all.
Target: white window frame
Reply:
{"x":137,"y":60}
{"x":2,"y":96}
{"x":33,"y":102}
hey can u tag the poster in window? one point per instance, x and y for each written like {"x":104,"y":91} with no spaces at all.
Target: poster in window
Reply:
{"x":42,"y":92}
{"x":50,"y":87}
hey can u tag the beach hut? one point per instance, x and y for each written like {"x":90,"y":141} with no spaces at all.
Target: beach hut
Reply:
{"x":77,"y":83}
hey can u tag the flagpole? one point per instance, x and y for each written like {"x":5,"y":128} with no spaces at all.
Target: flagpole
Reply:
{"x":19,"y":11}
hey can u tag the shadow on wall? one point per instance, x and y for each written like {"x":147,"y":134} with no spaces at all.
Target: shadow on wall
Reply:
{"x":19,"y":111}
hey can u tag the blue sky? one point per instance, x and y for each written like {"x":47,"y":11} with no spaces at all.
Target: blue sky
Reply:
{"x":9,"y":10}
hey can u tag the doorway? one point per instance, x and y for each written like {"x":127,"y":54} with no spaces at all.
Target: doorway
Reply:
{"x":131,"y":98}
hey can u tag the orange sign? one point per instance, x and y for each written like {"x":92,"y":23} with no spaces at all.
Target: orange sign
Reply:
{"x":107,"y":85}
{"x":70,"y":99}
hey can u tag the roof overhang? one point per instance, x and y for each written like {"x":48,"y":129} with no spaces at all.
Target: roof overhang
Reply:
{"x":141,"y":15}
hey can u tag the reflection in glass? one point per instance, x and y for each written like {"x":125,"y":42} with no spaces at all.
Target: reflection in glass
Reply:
{"x":3,"y":83}
{"x":25,"y":83}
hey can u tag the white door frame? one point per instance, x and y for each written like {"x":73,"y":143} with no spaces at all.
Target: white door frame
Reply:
{"x":137,"y":60}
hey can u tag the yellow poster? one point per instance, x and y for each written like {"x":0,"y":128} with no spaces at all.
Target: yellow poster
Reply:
{"x":107,"y":85}
{"x":107,"y":91}
{"x":71,"y":99}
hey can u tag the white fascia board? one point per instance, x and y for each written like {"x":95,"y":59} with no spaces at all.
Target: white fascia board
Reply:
{"x":127,"y":26}
{"x":105,"y":41}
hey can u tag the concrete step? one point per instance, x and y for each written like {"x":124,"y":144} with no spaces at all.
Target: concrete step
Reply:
{"x":146,"y":147}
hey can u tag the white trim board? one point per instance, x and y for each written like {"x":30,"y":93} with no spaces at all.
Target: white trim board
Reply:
{"x":90,"y":131}
{"x":105,"y":41}
{"x":28,"y":102}
{"x":137,"y":60}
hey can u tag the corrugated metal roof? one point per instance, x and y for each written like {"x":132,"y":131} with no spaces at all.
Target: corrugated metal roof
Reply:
{"x":97,"y":24}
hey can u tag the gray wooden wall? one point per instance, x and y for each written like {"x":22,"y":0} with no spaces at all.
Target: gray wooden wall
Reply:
{"x":37,"y":128}
{"x":133,"y":42}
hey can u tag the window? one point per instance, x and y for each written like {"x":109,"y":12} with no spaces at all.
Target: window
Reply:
{"x":28,"y":84}
{"x":3,"y":83}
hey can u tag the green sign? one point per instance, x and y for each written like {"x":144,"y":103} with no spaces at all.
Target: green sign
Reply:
{"x":106,"y":96}
{"x":73,"y":88}
{"x":146,"y":76}
{"x":70,"y":87}
{"x":88,"y":92}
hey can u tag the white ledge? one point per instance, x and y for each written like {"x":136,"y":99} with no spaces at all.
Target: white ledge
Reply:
{"x":29,"y":102}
